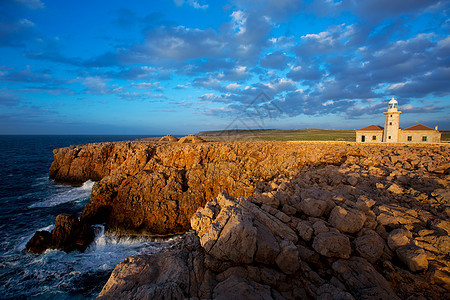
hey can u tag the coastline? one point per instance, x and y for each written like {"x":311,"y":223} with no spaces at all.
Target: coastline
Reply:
{"x":120,"y":166}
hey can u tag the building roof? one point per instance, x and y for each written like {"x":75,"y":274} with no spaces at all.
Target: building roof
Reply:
{"x":418,"y":127}
{"x":371,"y":128}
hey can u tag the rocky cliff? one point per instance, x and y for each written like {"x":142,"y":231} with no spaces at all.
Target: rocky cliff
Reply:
{"x":374,"y":226}
{"x":155,"y":188}
{"x":297,"y":220}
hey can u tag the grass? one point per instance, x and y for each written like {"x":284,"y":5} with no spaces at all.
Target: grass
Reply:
{"x":309,"y":134}
{"x":445,"y":137}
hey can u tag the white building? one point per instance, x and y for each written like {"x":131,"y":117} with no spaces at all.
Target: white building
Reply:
{"x":391,"y":133}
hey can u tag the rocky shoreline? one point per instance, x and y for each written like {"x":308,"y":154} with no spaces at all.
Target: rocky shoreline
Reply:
{"x":272,"y":220}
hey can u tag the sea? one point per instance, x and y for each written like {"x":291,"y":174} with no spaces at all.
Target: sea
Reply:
{"x":30,"y":201}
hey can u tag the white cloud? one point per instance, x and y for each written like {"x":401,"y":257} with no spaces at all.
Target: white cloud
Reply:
{"x":239,"y":20}
{"x":146,"y":85}
{"x":233,"y":86}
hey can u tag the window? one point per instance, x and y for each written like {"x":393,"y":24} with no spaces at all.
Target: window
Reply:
{"x":389,"y":137}
{"x":424,"y":138}
{"x":363,"y":138}
{"x":409,"y":138}
{"x":390,"y":123}
{"x":374,"y":138}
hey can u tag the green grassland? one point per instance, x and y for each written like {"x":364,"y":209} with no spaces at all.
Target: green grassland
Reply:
{"x":309,"y":134}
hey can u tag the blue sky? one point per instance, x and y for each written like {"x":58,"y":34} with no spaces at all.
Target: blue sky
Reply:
{"x":159,"y":67}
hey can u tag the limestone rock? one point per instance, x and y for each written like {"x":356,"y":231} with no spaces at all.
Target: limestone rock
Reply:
{"x":305,"y":231}
{"x":69,"y":234}
{"x":362,"y":280}
{"x":347,"y":220}
{"x":398,"y":237}
{"x":369,"y":246}
{"x":332,"y":244}
{"x":287,"y":260}
{"x":190,"y":139}
{"x":313,"y":207}
{"x":236,"y":287}
{"x":40,"y":242}
{"x":413,"y":256}
{"x":168,"y":138}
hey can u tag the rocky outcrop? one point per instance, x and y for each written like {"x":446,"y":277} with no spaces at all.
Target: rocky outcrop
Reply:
{"x":155,"y":188}
{"x":314,"y":234}
{"x":168,"y":138}
{"x":69,"y":234}
{"x":190,"y":139}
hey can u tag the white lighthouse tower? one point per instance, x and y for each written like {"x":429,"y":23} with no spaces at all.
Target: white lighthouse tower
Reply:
{"x":391,"y":122}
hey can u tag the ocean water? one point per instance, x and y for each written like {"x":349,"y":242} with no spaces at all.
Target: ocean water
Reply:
{"x":29,"y":201}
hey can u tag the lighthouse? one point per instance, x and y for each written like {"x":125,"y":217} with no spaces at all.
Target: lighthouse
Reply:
{"x":391,"y":122}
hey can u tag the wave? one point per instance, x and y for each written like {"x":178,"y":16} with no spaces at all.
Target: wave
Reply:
{"x":68,"y":194}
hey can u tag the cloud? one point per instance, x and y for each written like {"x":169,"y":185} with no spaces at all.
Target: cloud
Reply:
{"x":26,"y":76}
{"x":9,"y":99}
{"x":195,"y":4}
{"x":31,"y":4}
{"x":233,"y":86}
{"x":15,"y":32}
{"x":275,"y":60}
{"x":175,"y":43}
{"x":145,"y":85}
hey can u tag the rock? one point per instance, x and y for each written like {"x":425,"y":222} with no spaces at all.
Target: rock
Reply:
{"x":267,"y":248}
{"x":283,"y":217}
{"x":190,"y":139}
{"x":69,"y":234}
{"x":287,"y":260}
{"x":369,"y":246}
{"x":236,"y":287}
{"x":168,"y":138}
{"x":395,"y":189}
{"x":330,"y":292}
{"x":352,"y":180}
{"x":40,"y":242}
{"x":398,"y":237}
{"x":347,"y":220}
{"x":362,"y":280}
{"x":332,"y":244}
{"x":413,"y":256}
{"x":305,"y":231}
{"x":313,"y":207}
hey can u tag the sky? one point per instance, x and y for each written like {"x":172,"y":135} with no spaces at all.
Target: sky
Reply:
{"x":184,"y":66}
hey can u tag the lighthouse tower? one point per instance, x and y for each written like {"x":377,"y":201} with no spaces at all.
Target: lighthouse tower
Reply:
{"x":391,"y":122}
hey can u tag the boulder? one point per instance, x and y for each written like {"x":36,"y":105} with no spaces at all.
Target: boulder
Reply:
{"x":398,"y":237}
{"x":235,"y":287}
{"x":305,"y":231}
{"x":413,"y":257}
{"x":40,"y":242}
{"x":347,"y":220}
{"x":362,"y":280}
{"x":69,"y":234}
{"x":287,"y":260}
{"x":332,"y":244}
{"x":313,"y":207}
{"x":369,"y":246}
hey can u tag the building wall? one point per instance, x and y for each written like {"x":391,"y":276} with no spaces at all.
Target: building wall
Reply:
{"x":433,"y":136}
{"x":391,"y":126}
{"x":369,"y":136}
